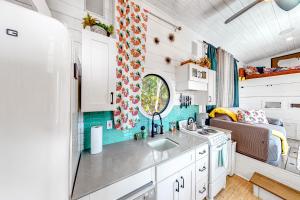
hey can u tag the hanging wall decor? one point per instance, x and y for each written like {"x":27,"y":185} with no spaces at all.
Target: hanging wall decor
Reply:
{"x":171,"y":37}
{"x":168,"y":60}
{"x":131,"y":43}
{"x":156,"y":40}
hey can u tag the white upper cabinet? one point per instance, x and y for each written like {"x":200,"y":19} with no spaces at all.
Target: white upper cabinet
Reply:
{"x":98,"y":72}
{"x":212,"y":92}
{"x":191,"y":77}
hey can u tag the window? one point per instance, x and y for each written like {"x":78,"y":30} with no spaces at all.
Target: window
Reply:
{"x":155,"y":94}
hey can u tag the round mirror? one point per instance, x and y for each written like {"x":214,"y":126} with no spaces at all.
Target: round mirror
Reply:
{"x":155,"y":94}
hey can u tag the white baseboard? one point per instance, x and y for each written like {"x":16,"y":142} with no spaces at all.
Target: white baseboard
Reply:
{"x":246,"y":166}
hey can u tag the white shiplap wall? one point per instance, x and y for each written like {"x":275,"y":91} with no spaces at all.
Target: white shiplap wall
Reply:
{"x":252,"y":36}
{"x":70,"y":13}
{"x":179,"y":50}
{"x":267,"y":61}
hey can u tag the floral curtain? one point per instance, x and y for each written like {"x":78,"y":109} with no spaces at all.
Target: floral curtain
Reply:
{"x":131,"y":28}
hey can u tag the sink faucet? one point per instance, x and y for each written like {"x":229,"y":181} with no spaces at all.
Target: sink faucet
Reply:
{"x":154,"y":126}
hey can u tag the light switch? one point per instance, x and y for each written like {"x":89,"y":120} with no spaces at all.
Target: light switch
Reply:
{"x":109,"y":124}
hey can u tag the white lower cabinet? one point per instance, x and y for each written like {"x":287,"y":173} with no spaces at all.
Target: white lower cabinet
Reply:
{"x":187,"y":183}
{"x":189,"y":177}
{"x":168,"y":189}
{"x":180,"y":186}
{"x":182,"y":178}
{"x":201,"y":190}
{"x":202,"y":173}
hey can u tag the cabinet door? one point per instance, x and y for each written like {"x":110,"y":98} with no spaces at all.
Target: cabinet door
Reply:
{"x":169,"y":189}
{"x":98,"y":72}
{"x":187,"y":183}
{"x":212,"y":87}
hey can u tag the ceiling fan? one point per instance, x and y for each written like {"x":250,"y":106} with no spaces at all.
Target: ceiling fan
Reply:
{"x":283,"y":4}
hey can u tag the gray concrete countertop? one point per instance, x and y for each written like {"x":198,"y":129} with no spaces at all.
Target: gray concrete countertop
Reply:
{"x":121,"y":160}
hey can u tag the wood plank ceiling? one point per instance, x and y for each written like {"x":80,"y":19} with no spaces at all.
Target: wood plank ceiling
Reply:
{"x":258,"y":33}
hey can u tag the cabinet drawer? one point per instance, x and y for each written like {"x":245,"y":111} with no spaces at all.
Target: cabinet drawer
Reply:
{"x":201,"y":190}
{"x":201,"y":151}
{"x":202,"y":169}
{"x":125,"y":186}
{"x":168,"y":168}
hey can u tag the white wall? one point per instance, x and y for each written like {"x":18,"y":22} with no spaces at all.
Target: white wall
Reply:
{"x":71,"y":12}
{"x":267,"y":61}
{"x":178,"y":51}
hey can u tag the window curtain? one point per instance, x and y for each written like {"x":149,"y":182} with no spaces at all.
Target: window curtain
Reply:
{"x":131,"y":29}
{"x":225,"y":79}
{"x":212,"y":55}
{"x":236,"y":102}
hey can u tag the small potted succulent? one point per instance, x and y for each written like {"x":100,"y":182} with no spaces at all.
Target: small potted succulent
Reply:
{"x":96,"y":26}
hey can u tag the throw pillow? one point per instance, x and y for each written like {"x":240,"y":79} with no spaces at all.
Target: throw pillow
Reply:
{"x":279,"y":69}
{"x":269,"y":70}
{"x":260,"y":69}
{"x":252,"y":117}
{"x":250,"y":70}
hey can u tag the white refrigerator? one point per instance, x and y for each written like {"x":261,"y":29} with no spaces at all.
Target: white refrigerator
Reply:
{"x":35,"y":72}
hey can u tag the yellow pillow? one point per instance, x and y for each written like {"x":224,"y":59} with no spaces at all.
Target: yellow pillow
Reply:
{"x":225,"y":111}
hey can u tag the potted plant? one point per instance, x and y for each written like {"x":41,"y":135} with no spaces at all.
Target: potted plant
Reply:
{"x":89,"y":21}
{"x":204,"y":62}
{"x":96,"y":26}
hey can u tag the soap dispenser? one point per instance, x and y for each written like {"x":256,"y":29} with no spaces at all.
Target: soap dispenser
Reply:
{"x":144,"y":133}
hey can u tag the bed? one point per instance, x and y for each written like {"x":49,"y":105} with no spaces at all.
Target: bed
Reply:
{"x":277,"y":73}
{"x":282,"y":65}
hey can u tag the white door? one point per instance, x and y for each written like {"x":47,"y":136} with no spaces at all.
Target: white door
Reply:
{"x":169,"y":188}
{"x":98,"y":72}
{"x":187,"y":183}
{"x":211,"y":87}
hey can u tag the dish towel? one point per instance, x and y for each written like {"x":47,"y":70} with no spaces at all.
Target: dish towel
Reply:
{"x":223,"y":157}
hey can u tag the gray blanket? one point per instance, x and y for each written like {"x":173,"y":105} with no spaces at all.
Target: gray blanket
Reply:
{"x":274,"y":153}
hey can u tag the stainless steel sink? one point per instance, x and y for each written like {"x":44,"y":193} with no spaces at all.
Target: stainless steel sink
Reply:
{"x":163,"y":144}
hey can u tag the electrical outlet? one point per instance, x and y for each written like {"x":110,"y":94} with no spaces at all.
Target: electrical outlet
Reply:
{"x":109,"y":124}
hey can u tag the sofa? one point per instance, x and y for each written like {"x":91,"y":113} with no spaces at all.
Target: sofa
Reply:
{"x":254,"y":140}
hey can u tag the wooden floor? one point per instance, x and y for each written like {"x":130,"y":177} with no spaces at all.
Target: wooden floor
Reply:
{"x":236,"y":189}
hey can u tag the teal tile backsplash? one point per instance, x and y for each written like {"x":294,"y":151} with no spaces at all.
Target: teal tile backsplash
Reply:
{"x":113,"y":136}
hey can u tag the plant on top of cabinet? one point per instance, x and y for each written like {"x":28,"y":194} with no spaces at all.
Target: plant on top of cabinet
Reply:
{"x":204,"y":62}
{"x":97,"y":26}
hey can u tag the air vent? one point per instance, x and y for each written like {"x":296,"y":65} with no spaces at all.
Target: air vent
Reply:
{"x":273,"y":105}
{"x":295,"y":105}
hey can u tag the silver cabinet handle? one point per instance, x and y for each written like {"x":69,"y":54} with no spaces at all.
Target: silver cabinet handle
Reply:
{"x":177,"y":189}
{"x":182,"y":185}
{"x":112,"y":98}
{"x":221,"y":145}
{"x":203,"y":169}
{"x":203,"y":190}
{"x":203,"y":152}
